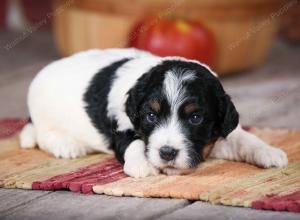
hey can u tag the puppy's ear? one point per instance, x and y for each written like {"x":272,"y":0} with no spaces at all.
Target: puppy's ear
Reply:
{"x":132,"y":104}
{"x":227,"y":114}
{"x":136,"y":95}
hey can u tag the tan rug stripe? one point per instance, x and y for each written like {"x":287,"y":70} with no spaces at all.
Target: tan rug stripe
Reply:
{"x":8,"y":144}
{"x":14,"y":160}
{"x":204,"y":179}
{"x":248,"y":189}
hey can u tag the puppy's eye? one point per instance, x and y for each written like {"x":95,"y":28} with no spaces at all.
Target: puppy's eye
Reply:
{"x":151,"y":117}
{"x":195,"y":119}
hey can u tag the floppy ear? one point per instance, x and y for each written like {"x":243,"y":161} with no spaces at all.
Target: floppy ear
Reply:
{"x":135,"y":97}
{"x":227,"y":114}
{"x":132,"y":104}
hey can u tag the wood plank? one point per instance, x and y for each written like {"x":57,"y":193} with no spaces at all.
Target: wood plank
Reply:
{"x":11,"y":198}
{"x":202,"y":210}
{"x":66,"y":205}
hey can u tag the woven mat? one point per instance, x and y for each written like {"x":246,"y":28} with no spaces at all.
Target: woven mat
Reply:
{"x":215,"y":181}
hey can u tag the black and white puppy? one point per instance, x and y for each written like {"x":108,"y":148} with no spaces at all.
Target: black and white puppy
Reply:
{"x":155,"y":114}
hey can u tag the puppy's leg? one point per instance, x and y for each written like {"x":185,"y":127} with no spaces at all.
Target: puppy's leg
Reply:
{"x":131,"y":151}
{"x":136,"y":164}
{"x":61,"y":145}
{"x":28,"y":136}
{"x":241,"y":145}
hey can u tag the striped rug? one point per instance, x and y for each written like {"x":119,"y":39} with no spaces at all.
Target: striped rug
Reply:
{"x":215,"y":181}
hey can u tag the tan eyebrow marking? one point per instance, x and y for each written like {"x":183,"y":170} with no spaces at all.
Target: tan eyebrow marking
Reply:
{"x":190,"y":108}
{"x":155,"y":105}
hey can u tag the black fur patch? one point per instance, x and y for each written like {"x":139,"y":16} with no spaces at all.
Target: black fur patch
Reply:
{"x":96,"y":98}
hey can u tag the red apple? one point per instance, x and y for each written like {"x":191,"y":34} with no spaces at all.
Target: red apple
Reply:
{"x":3,"y":5}
{"x":165,"y":37}
{"x":37,"y":11}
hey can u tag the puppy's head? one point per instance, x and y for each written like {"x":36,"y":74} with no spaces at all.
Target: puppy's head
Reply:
{"x":178,"y":108}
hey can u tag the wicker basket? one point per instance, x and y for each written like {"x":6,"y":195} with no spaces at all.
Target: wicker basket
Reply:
{"x":243,"y":29}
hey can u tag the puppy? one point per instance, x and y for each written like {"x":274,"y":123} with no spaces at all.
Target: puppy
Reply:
{"x":157,"y":115}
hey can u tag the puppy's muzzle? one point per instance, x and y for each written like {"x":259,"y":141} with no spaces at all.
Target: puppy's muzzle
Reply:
{"x":168,"y":153}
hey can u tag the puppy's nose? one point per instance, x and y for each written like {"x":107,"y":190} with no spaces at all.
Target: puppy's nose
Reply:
{"x":168,"y":153}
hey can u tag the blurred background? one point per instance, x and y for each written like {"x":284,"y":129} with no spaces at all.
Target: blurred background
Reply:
{"x":253,"y":45}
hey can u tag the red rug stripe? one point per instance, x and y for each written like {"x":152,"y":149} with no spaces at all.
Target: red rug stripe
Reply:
{"x":92,"y":178}
{"x":61,"y":181}
{"x":9,"y":127}
{"x":83,"y":179}
{"x":289,"y":202}
{"x":86,"y":186}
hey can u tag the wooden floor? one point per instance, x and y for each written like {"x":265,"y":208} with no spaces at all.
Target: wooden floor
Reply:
{"x":267,"y":96}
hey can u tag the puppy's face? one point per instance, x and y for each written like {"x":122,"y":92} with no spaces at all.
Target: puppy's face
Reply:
{"x":178,"y":108}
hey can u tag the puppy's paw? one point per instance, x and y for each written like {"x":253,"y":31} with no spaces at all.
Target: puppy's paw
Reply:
{"x":136,"y":164}
{"x":267,"y":157}
{"x":139,"y":169}
{"x":27,"y":136}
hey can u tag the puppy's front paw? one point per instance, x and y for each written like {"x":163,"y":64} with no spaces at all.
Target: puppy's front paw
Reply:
{"x":136,"y":164}
{"x":270,"y":157}
{"x":139,"y":169}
